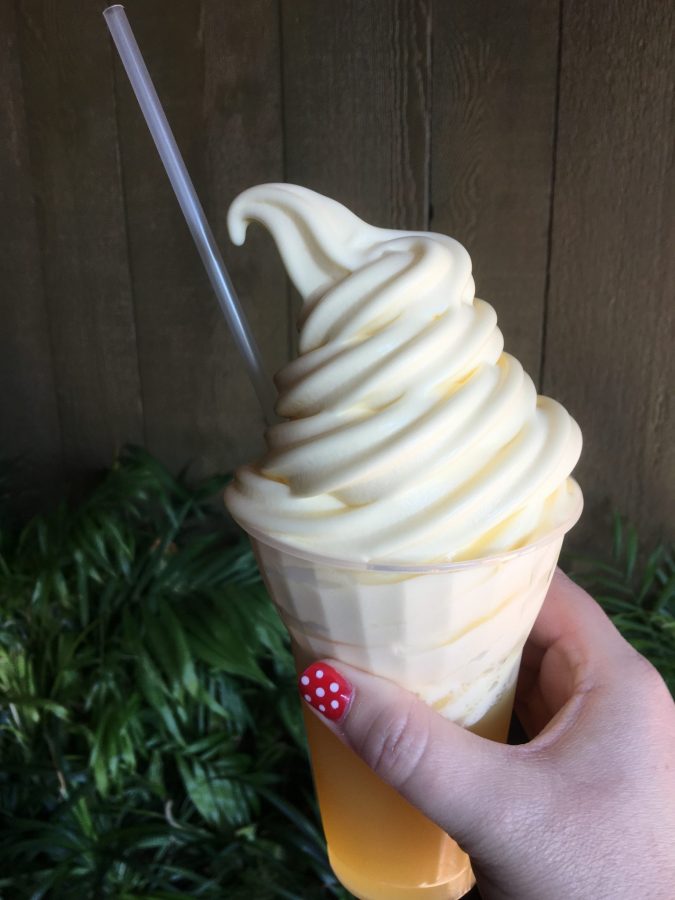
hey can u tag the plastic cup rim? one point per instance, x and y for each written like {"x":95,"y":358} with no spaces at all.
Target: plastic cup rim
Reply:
{"x":420,"y":568}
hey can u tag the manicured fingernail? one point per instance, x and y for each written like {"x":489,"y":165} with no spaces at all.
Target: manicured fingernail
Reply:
{"x":325,"y":689}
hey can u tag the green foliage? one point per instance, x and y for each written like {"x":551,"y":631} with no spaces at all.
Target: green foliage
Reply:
{"x":150,"y":735}
{"x":639,"y":598}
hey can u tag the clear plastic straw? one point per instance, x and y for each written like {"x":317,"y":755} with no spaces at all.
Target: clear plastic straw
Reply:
{"x":141,"y":82}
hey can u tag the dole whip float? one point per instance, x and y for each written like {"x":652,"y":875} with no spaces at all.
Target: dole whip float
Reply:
{"x":411,"y":435}
{"x":408,"y":515}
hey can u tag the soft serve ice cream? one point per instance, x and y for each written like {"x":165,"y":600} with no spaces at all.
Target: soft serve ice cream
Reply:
{"x":410,"y":435}
{"x":408,"y":515}
{"x":411,"y":438}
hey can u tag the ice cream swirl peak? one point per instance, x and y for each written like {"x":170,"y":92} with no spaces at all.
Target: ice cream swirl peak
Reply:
{"x":410,"y":434}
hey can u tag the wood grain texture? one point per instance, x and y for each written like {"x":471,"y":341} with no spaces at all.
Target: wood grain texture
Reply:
{"x":493,"y":120}
{"x":216,"y":70}
{"x":356,"y":108}
{"x":609,"y":343}
{"x":401,"y":109}
{"x":356,"y":105}
{"x":67,"y":81}
{"x":244,"y":147}
{"x":29,"y":422}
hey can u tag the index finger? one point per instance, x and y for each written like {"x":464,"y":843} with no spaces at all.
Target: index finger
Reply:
{"x":573,"y":647}
{"x":572,"y":617}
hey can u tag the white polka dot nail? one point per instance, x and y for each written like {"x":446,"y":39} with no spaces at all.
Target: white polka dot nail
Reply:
{"x":326,"y":690}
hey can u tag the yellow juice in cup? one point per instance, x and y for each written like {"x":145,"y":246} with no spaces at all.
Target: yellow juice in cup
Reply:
{"x":451,"y":633}
{"x":381,"y":847}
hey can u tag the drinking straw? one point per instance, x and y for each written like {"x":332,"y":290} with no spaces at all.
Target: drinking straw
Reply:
{"x":131,"y":57}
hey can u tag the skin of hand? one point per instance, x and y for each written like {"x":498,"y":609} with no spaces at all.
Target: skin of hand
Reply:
{"x":586,"y":809}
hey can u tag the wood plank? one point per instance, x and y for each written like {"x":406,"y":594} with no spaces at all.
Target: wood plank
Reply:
{"x":494,"y":87}
{"x":67,"y":78}
{"x":216,"y":69}
{"x":356,"y":105}
{"x":29,"y":421}
{"x":609,"y":343}
{"x":242,"y":102}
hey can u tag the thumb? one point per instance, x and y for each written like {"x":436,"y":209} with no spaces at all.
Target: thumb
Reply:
{"x":462,"y":782}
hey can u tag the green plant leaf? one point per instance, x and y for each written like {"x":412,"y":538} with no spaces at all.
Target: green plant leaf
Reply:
{"x":155,"y":746}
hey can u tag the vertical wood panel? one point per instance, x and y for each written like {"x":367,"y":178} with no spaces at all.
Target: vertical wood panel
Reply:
{"x":29,"y":423}
{"x":216,"y":69}
{"x":494,"y":90}
{"x":67,"y":78}
{"x":170,"y":290}
{"x":609,"y":347}
{"x":359,"y":80}
{"x":356,"y":105}
{"x":244,"y":147}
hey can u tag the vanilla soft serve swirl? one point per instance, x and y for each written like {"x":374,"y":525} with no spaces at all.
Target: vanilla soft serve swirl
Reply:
{"x":410,"y":435}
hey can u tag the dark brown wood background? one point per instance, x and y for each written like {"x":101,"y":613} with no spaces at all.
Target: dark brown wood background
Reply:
{"x":537,"y":132}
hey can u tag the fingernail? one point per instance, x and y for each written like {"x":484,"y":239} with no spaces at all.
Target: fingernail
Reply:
{"x":325,"y":689}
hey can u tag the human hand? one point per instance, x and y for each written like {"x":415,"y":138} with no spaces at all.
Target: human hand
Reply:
{"x":586,"y":809}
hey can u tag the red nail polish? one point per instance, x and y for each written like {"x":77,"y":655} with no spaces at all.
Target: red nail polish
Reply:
{"x":325,"y":689}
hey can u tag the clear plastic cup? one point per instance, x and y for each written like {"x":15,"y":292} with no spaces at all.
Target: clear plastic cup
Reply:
{"x":452,"y":633}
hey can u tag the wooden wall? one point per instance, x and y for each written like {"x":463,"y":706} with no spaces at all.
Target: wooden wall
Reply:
{"x":537,"y":132}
